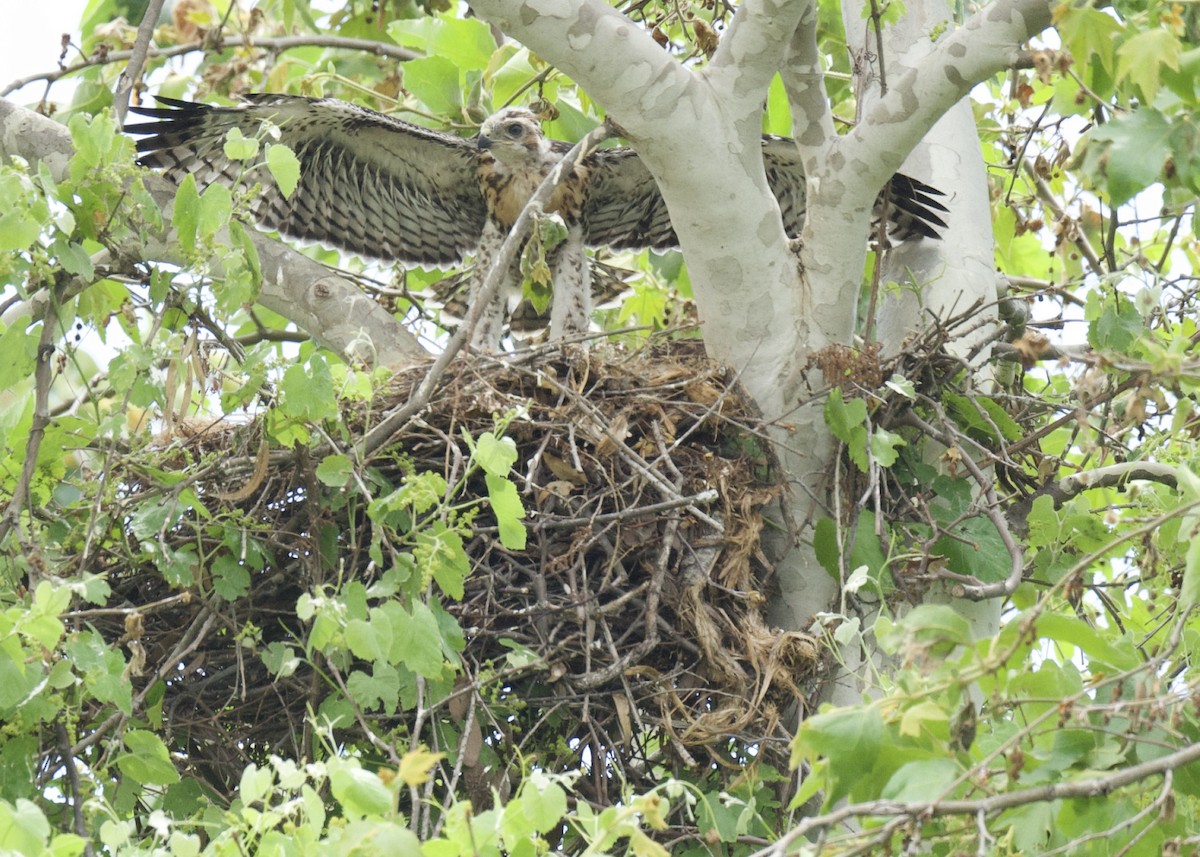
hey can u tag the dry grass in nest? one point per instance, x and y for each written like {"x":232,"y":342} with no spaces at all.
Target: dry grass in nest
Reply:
{"x":640,"y":593}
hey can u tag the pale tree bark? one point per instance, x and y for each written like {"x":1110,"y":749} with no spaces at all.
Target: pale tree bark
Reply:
{"x":766,"y":307}
{"x":959,"y":273}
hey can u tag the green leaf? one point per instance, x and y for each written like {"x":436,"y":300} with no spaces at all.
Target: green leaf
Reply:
{"x":1128,"y":153}
{"x":982,"y":418}
{"x":307,"y":393}
{"x":935,"y":627}
{"x":434,"y":80}
{"x":18,"y":230}
{"x":423,"y":643}
{"x":466,"y":42}
{"x":186,"y":213}
{"x":506,"y":503}
{"x":73,"y":258}
{"x":24,"y":830}
{"x":231,"y":579}
{"x":216,"y":208}
{"x":495,"y":455}
{"x":850,"y":738}
{"x":239,"y":147}
{"x":18,"y":353}
{"x":777,"y":118}
{"x":545,"y":805}
{"x":974,"y":548}
{"x":360,"y":792}
{"x":280,"y":659}
{"x":922,"y":780}
{"x":439,"y":553}
{"x":284,"y":167}
{"x":847,"y":421}
{"x":885,"y":446}
{"x":335,"y":470}
{"x":1189,"y":531}
{"x":1094,"y":642}
{"x":1117,"y":328}
{"x":1089,"y":31}
{"x":380,"y":690}
{"x":1141,"y":59}
{"x":865,"y":550}
{"x":147,"y":761}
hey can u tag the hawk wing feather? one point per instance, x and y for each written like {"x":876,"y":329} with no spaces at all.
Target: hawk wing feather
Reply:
{"x":385,"y":188}
{"x":369,"y":183}
{"x":625,"y":210}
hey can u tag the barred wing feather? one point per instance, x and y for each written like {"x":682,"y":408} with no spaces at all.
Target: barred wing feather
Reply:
{"x":369,"y":183}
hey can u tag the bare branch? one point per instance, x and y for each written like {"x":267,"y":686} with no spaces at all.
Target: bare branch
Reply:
{"x":1112,"y":476}
{"x":987,"y":43}
{"x":279,"y":43}
{"x":804,"y":82}
{"x":42,"y":376}
{"x":137,"y":59}
{"x":751,"y":51}
{"x":1090,"y":787}
{"x":991,"y":508}
{"x":1077,"y":236}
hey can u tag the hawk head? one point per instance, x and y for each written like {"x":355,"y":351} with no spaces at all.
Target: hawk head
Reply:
{"x":514,"y":137}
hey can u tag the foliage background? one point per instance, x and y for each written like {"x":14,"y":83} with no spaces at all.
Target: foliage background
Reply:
{"x":1071,"y":730}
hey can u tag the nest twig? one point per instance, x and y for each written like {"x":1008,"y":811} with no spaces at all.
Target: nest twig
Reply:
{"x":638,"y":598}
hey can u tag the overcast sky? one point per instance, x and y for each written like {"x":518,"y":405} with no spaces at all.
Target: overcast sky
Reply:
{"x":31,"y":41}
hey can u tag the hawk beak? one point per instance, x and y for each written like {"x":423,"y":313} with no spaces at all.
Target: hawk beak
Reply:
{"x":483,"y":142}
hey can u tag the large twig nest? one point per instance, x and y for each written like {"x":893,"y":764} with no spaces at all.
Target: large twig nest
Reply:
{"x":640,"y":593}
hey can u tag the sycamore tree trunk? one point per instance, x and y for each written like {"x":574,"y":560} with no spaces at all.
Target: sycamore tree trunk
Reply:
{"x":767,"y":304}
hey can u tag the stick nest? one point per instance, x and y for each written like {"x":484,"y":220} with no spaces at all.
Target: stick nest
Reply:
{"x":631,"y":628}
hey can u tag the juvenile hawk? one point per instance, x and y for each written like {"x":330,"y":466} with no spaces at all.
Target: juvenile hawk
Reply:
{"x":387,"y":189}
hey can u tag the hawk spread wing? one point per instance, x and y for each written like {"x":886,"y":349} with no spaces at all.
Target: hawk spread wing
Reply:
{"x":369,"y":183}
{"x":388,"y":189}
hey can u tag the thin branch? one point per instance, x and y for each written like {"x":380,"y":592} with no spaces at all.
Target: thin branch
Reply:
{"x":1079,"y":239}
{"x":1085,"y":788}
{"x":1112,"y":476}
{"x":281,"y":43}
{"x":991,"y":508}
{"x":137,"y":59}
{"x":877,"y":26}
{"x":705,"y":497}
{"x":77,"y":798}
{"x":42,"y":376}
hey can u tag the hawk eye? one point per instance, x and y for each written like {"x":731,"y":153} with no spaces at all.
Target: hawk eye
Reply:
{"x":514,"y":129}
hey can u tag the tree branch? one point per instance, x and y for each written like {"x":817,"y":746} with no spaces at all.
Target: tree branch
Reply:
{"x":279,"y":43}
{"x":751,"y":51}
{"x":804,"y":82}
{"x":137,"y":59}
{"x":1112,"y":476}
{"x":1085,"y":788}
{"x":331,"y":308}
{"x":987,"y":43}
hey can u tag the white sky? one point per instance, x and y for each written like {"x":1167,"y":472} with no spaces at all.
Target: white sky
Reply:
{"x":31,"y":41}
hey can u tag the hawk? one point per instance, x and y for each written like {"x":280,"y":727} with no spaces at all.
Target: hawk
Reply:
{"x":387,"y":189}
